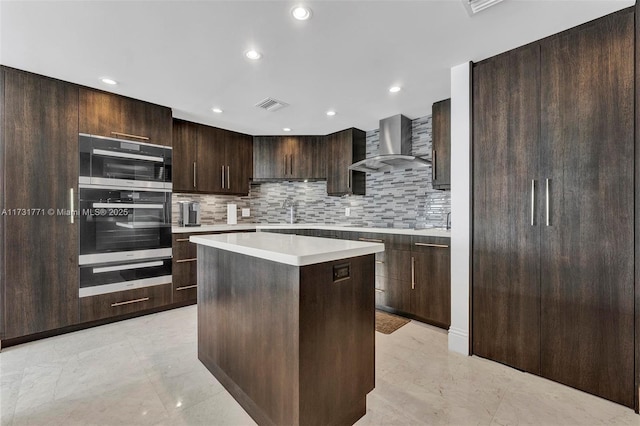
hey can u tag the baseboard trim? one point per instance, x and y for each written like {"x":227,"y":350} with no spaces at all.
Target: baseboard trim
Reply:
{"x":459,"y":341}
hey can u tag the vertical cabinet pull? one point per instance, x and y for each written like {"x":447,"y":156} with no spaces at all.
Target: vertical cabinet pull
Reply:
{"x":228,"y":180}
{"x":548,"y":181}
{"x":435,"y":166}
{"x":222,"y":177}
{"x":71,"y":205}
{"x":413,"y":273}
{"x":533,"y":202}
{"x":291,"y":164}
{"x":285,"y":165}
{"x":194,"y":175}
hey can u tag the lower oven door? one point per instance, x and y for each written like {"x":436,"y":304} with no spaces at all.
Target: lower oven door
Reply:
{"x":115,"y":221}
{"x":118,"y":276}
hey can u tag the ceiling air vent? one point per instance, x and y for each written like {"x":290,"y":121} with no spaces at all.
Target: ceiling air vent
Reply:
{"x":271,"y":104}
{"x":475,"y":6}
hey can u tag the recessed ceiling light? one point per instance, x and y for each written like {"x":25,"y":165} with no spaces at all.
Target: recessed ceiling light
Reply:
{"x":395,"y":89}
{"x":216,"y":110}
{"x":331,"y":113}
{"x":301,"y":13}
{"x":108,"y":81}
{"x":286,"y":129}
{"x":253,"y":54}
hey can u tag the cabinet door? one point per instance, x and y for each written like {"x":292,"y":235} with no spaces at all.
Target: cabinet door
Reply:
{"x":108,"y":114}
{"x":307,"y":157}
{"x":588,"y":262}
{"x":431,"y":297}
{"x":506,"y":243}
{"x":239,"y":159}
{"x":40,"y":136}
{"x":398,"y":279}
{"x":184,"y":162}
{"x":441,"y":145}
{"x":270,"y":157}
{"x":211,"y":168}
{"x":343,"y":149}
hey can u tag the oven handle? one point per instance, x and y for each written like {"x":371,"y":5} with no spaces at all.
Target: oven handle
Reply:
{"x":127,"y":267}
{"x":127,"y":155}
{"x":126,"y":206}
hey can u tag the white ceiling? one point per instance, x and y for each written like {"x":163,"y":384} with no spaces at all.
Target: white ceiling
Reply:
{"x":188,"y":55}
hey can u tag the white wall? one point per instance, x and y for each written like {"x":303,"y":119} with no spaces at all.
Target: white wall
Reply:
{"x":460,"y":207}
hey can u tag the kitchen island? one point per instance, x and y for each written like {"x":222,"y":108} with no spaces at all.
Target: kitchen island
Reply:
{"x":286,"y":323}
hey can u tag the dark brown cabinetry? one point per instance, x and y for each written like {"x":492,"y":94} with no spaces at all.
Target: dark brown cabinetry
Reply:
{"x":343,"y":149}
{"x":412,"y":275}
{"x":289,"y":158}
{"x":553,"y":225}
{"x":112,"y":305}
{"x":184,"y":268}
{"x":441,"y":145}
{"x":40,"y":157}
{"x":210,"y":160}
{"x":108,"y":114}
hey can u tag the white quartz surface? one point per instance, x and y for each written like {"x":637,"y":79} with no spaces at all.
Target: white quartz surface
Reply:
{"x":212,"y":228}
{"x":433,"y":232}
{"x":293,"y":250}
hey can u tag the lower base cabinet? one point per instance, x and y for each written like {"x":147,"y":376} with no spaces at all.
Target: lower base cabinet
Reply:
{"x":109,"y":305}
{"x":413,"y":274}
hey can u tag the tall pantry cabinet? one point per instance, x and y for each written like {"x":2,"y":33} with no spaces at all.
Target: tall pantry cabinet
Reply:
{"x":40,"y":246}
{"x":553,"y":208}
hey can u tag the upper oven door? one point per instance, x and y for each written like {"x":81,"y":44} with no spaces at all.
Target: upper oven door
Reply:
{"x":114,"y":162}
{"x":113,"y":221}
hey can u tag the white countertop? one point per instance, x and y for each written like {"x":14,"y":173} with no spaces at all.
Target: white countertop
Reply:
{"x":295,"y":250}
{"x":432,"y":232}
{"x":213,"y":228}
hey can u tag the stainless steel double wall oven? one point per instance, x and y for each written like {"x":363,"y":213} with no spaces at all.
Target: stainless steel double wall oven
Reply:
{"x":125,"y":215}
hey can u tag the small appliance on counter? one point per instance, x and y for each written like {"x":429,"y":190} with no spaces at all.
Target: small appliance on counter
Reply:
{"x":189,"y":213}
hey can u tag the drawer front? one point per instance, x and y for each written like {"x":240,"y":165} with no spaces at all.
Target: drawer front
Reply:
{"x":426,"y":244}
{"x":182,"y":248}
{"x":185,"y":280}
{"x":391,"y":241}
{"x":381,"y":264}
{"x":124,"y":302}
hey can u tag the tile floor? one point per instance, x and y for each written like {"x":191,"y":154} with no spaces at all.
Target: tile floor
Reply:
{"x":146,"y":371}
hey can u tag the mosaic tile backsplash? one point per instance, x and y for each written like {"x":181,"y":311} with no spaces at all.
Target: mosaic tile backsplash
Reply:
{"x":396,"y":199}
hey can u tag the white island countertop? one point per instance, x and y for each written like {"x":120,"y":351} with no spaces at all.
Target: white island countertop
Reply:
{"x":430,"y":232}
{"x":295,"y":250}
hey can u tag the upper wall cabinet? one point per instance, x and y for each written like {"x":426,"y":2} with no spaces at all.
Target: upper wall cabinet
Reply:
{"x":441,"y":147}
{"x":343,"y":149}
{"x":289,"y":158}
{"x":210,"y":160}
{"x":108,"y":114}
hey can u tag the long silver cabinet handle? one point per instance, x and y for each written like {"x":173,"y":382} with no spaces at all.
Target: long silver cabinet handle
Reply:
{"x":194,"y":175}
{"x":435,"y":166}
{"x":431,"y":245}
{"x":548,"y":181}
{"x":187,"y":260}
{"x":128,"y":302}
{"x":71,"y":205}
{"x":186,"y":287}
{"x":222,"y":177}
{"x":285,"y":164}
{"x":413,"y":273}
{"x":379,"y":262}
{"x":371,"y":240}
{"x":228,"y":179}
{"x":127,"y":135}
{"x":180,"y":240}
{"x":533,"y":202}
{"x":291,"y":164}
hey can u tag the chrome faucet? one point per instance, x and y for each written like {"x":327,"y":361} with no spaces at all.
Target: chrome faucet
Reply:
{"x":289,"y":204}
{"x":447,"y":224}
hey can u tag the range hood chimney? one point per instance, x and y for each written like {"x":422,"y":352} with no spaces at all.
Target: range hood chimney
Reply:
{"x":395,"y":148}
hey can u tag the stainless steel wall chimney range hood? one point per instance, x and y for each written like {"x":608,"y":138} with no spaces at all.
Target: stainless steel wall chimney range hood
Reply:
{"x":395,"y":148}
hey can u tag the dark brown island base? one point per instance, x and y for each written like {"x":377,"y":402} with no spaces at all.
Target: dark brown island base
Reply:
{"x":286,"y":323}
